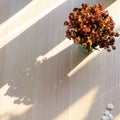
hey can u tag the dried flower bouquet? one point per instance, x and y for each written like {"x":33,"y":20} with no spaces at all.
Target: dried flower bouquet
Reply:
{"x":91,"y":27}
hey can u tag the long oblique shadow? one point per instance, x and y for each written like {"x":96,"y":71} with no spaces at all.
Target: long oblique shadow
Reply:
{"x":33,"y":45}
{"x":47,"y":82}
{"x":27,"y":83}
{"x":102,"y":77}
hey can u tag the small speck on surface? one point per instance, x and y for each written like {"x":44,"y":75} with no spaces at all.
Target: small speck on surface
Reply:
{"x":27,"y":74}
{"x":28,"y":69}
{"x":60,"y":80}
{"x":55,"y":85}
{"x":107,"y":115}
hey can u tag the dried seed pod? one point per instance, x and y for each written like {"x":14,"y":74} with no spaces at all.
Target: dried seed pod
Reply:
{"x":111,"y":117}
{"x":106,"y":113}
{"x":105,"y":118}
{"x":110,"y":106}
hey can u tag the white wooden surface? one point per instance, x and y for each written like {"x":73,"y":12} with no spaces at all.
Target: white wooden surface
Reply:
{"x":43,"y":76}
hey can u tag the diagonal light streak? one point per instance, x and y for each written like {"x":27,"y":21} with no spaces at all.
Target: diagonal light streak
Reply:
{"x":57,"y":49}
{"x":24,"y":19}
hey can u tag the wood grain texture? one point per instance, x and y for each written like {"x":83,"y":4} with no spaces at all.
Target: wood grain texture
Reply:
{"x":36,"y":59}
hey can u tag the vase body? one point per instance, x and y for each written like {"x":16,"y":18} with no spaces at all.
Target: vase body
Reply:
{"x":83,"y":49}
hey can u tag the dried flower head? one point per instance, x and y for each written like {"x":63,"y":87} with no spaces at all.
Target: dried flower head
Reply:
{"x":91,"y":26}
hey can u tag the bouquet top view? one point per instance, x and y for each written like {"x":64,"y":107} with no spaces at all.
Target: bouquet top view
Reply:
{"x":92,"y":27}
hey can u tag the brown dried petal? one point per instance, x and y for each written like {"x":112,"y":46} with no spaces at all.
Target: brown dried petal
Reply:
{"x":117,"y":34}
{"x":113,"y":47}
{"x":66,"y":23}
{"x":76,"y":9}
